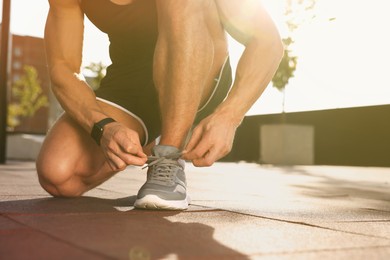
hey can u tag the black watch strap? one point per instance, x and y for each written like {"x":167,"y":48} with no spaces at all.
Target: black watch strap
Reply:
{"x":98,"y":128}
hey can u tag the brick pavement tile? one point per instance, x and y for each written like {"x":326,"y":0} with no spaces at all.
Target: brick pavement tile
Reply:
{"x":252,"y":234}
{"x":18,"y":241}
{"x":19,"y":179}
{"x":13,"y":197}
{"x":32,"y":190}
{"x":265,"y":212}
{"x":50,"y":205}
{"x":190,"y":234}
{"x":30,"y":244}
{"x":85,"y":204}
{"x":369,"y":228}
{"x":127,"y":233}
{"x":372,"y":253}
{"x":127,"y":182}
{"x":308,"y":194}
{"x":297,"y":210}
{"x":8,"y":224}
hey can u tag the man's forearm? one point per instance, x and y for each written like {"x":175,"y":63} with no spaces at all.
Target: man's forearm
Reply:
{"x":248,"y":22}
{"x":76,"y":97}
{"x":64,"y":32}
{"x":255,"y":70}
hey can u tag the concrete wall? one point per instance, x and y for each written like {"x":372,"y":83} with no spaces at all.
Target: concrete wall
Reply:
{"x":352,"y":136}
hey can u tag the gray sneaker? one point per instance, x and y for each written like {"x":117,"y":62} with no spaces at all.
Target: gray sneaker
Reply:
{"x":165,"y":187}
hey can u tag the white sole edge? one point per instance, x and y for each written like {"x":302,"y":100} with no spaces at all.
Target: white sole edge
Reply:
{"x":154,"y":202}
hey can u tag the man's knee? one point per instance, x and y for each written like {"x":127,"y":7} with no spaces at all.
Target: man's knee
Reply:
{"x":58,"y":180}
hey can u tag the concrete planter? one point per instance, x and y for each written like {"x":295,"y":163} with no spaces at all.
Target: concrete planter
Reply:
{"x":287,"y":144}
{"x":23,"y":146}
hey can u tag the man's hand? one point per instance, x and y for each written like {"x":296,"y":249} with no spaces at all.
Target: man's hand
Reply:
{"x":211,"y":140}
{"x":122,"y":147}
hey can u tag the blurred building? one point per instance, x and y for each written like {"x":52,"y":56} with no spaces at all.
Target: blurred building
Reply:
{"x":28,"y":50}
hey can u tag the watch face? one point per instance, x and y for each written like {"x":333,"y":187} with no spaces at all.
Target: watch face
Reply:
{"x":97,"y":132}
{"x":97,"y":129}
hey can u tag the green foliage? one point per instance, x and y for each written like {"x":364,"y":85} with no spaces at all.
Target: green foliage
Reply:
{"x":286,"y":68}
{"x":27,"y":97}
{"x":98,"y":71}
{"x":297,"y":12}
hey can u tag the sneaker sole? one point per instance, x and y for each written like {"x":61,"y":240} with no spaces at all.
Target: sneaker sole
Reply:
{"x":154,"y":202}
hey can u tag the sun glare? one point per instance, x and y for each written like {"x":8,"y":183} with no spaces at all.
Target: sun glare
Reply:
{"x":342,"y":52}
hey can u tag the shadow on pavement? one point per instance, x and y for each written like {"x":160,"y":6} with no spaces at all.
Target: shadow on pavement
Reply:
{"x":112,"y":228}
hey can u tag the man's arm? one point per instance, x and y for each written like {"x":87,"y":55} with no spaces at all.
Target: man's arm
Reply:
{"x":248,"y":22}
{"x":64,"y":40}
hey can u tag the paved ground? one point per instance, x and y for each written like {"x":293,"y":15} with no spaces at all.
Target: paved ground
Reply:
{"x":239,"y":211}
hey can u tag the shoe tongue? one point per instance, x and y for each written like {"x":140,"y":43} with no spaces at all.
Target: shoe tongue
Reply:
{"x":164,"y":150}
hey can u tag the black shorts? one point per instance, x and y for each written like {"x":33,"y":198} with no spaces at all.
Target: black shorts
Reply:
{"x":146,"y":110}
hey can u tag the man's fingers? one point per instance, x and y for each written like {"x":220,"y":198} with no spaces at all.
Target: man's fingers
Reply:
{"x":199,"y":151}
{"x":116,"y":163}
{"x":194,"y":140}
{"x":206,"y":153}
{"x":122,"y":147}
{"x":134,"y":160}
{"x":133,"y":156}
{"x":131,"y":151}
{"x":134,"y":149}
{"x":121,"y":161}
{"x":123,"y":158}
{"x":208,"y":159}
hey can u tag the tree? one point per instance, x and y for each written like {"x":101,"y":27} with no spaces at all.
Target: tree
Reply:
{"x":27,"y":97}
{"x":297,"y":12}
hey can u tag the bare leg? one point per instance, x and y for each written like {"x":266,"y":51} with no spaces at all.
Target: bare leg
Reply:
{"x":185,"y":58}
{"x":70,"y":163}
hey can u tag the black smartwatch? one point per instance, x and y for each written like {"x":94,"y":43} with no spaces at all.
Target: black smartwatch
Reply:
{"x":98,"y":128}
